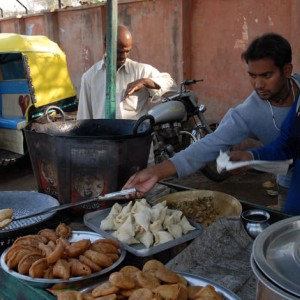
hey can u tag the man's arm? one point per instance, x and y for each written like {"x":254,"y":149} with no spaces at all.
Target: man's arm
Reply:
{"x":139,"y":84}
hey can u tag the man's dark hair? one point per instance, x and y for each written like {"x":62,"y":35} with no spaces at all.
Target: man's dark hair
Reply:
{"x":269,"y":45}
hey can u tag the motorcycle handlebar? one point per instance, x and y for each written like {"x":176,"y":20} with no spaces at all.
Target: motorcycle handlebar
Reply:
{"x":190,"y":81}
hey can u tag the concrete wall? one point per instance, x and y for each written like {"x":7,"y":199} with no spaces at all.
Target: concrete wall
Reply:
{"x":195,"y":39}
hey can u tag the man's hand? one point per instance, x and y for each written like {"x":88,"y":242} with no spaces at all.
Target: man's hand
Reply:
{"x":144,"y":180}
{"x":139,"y":84}
{"x":240,"y":156}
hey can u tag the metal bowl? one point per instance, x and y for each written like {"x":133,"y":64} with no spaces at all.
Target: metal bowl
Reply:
{"x":255,"y":221}
{"x":44,"y":283}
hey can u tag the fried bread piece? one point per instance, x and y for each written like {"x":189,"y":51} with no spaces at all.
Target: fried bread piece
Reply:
{"x":63,"y":230}
{"x":105,"y":288}
{"x":77,"y":268}
{"x":6,"y":213}
{"x":121,"y":280}
{"x":26,"y":262}
{"x":38,"y":268}
{"x":99,"y":258}
{"x":208,"y":292}
{"x":77,"y":248}
{"x":61,"y":269}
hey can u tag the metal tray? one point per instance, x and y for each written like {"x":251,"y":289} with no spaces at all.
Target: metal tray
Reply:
{"x":192,"y":280}
{"x":276,"y":252}
{"x":44,"y":283}
{"x":24,"y":202}
{"x":93,"y":220}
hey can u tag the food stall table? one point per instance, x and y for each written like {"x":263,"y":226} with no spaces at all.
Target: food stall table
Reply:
{"x":222,"y":248}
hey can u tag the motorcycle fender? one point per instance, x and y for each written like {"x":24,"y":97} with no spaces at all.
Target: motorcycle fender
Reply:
{"x":171,"y":111}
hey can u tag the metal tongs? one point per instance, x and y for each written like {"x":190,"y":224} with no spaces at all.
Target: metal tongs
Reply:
{"x":109,"y":196}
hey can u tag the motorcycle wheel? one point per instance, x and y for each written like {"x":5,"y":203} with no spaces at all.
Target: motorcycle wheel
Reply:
{"x":210,"y":169}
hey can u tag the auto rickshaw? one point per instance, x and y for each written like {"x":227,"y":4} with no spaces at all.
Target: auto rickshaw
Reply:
{"x":33,"y":78}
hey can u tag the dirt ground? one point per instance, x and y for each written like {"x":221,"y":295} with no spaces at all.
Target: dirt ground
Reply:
{"x":246,"y":187}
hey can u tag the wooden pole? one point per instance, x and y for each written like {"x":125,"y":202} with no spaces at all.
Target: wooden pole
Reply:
{"x":111,"y":58}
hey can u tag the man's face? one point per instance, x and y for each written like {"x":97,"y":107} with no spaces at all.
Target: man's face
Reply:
{"x":267,"y":79}
{"x":122,"y":53}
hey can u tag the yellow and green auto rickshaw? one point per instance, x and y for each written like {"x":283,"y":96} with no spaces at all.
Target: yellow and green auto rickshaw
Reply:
{"x":33,"y":76}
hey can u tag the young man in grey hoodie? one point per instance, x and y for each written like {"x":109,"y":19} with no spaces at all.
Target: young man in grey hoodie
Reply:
{"x":269,"y":61}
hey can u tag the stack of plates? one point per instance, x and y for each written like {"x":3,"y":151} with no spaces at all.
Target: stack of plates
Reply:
{"x":276,"y":257}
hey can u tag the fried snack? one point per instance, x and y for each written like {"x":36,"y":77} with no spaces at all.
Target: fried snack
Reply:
{"x":129,"y":269}
{"x":26,"y":262}
{"x":46,"y":249}
{"x":49,"y":234}
{"x":5,"y":223}
{"x":15,"y":248}
{"x":121,"y":280}
{"x":61,"y":269}
{"x":48,"y":273}
{"x":38,"y":267}
{"x":108,"y":241}
{"x":69,"y":295}
{"x":85,"y":260}
{"x":182,"y":281}
{"x":6,"y":213}
{"x":208,"y":292}
{"x":63,"y":230}
{"x":30,"y":240}
{"x":13,"y":262}
{"x":152,"y":265}
{"x":58,"y":253}
{"x":104,"y":289}
{"x":168,"y":291}
{"x":167,"y":275}
{"x":141,"y":294}
{"x":147,"y":280}
{"x":105,"y":248}
{"x":193,"y":290}
{"x":108,"y":297}
{"x":77,"y":268}
{"x":77,"y":248}
{"x":99,"y":258}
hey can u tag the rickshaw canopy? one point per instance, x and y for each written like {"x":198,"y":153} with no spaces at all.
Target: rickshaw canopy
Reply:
{"x":45,"y":66}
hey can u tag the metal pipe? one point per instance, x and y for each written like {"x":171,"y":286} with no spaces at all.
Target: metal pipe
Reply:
{"x":23,"y":6}
{"x":59,"y":3}
{"x":111,"y":58}
{"x":1,"y":12}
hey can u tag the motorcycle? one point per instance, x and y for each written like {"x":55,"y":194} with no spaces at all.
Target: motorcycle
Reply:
{"x":179,"y":121}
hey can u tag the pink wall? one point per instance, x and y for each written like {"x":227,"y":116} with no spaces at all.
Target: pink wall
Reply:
{"x":192,"y":39}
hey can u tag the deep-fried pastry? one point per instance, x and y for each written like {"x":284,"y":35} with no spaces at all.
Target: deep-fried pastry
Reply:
{"x":61,"y":269}
{"x":152,"y":265}
{"x":99,"y":258}
{"x":68,"y":295}
{"x":104,"y":289}
{"x":121,"y":280}
{"x":105,"y":248}
{"x":77,"y":268}
{"x":38,"y":267}
{"x":193,"y":290}
{"x":13,"y":262}
{"x":77,"y":248}
{"x":49,"y":234}
{"x":58,"y":253}
{"x":5,"y":223}
{"x":46,"y":249}
{"x":85,"y":260}
{"x":141,"y":294}
{"x":15,"y":248}
{"x":108,"y":241}
{"x":30,"y":240}
{"x":48,"y":273}
{"x":26,"y":262}
{"x":208,"y":292}
{"x":63,"y":230}
{"x":167,"y":275}
{"x":168,"y":291}
{"x":147,"y":280}
{"x":6,"y":213}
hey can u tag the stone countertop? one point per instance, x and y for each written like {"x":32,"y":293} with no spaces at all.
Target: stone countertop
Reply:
{"x":222,"y":254}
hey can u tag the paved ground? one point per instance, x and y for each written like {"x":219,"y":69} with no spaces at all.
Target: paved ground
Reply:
{"x":247,"y":187}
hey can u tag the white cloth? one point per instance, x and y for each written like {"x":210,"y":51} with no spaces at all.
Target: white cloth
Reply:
{"x":93,"y":90}
{"x":275,"y":167}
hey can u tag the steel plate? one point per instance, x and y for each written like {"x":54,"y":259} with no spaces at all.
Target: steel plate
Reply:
{"x":93,"y":220}
{"x":44,"y":283}
{"x":276,"y":252}
{"x":23,"y":203}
